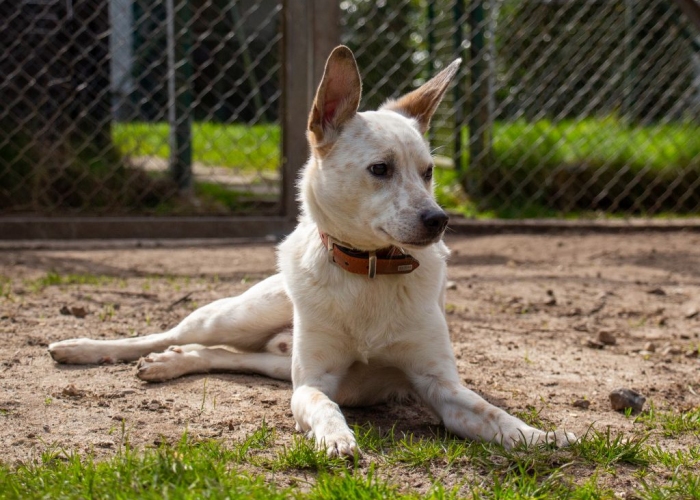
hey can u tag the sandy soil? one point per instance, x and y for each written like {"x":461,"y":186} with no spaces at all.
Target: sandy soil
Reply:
{"x":521,"y":312}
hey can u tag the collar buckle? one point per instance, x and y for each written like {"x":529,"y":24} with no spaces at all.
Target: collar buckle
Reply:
{"x":372,"y":271}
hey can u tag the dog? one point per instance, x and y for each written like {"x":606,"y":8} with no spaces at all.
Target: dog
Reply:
{"x":362,"y":319}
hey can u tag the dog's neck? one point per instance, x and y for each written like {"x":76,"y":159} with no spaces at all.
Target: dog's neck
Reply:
{"x":389,"y":260}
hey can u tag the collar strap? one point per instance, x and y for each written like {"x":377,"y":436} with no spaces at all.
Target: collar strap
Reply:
{"x":391,"y":260}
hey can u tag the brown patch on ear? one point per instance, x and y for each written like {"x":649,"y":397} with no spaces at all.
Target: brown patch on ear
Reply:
{"x":337,"y":98}
{"x":422,"y":102}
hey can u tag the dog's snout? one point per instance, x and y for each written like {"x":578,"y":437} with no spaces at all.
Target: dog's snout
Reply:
{"x":434,"y":220}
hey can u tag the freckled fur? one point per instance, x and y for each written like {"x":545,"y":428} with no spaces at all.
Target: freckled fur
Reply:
{"x":355,"y":340}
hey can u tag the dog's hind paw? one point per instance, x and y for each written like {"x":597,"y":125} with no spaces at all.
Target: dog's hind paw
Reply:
{"x":173,"y":363}
{"x":79,"y":352}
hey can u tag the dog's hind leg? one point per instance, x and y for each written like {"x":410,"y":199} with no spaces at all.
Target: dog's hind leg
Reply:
{"x":276,"y":362}
{"x":246,"y":322}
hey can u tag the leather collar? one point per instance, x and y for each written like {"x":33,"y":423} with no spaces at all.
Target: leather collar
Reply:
{"x":391,"y":260}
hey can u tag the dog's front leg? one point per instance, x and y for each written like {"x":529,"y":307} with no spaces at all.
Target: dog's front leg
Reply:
{"x":316,"y":373}
{"x":431,"y":368}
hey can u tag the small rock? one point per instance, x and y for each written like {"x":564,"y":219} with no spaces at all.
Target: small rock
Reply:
{"x":645,"y":353}
{"x":451,"y":285}
{"x":691,"y":312}
{"x":72,"y":392}
{"x":78,"y":312}
{"x":594,"y":344}
{"x":606,"y":337}
{"x":656,"y":291}
{"x":621,"y":399}
{"x":692,"y":353}
{"x":582,"y":403}
{"x":551,"y":301}
{"x":671,"y":351}
{"x":650,"y":346}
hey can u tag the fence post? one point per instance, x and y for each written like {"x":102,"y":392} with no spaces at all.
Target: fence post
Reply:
{"x":479,"y":117}
{"x":179,"y":95}
{"x":457,"y":41}
{"x":311,"y":28}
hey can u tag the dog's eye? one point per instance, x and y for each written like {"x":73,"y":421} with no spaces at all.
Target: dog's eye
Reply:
{"x":379,"y":170}
{"x":428,"y":175}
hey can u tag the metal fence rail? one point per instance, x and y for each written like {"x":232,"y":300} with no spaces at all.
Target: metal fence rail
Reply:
{"x":198,"y":107}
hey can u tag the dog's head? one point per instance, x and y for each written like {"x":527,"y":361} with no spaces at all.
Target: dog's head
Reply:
{"x":369,"y":180}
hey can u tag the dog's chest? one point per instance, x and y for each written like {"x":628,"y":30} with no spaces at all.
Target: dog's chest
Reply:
{"x":368,"y":314}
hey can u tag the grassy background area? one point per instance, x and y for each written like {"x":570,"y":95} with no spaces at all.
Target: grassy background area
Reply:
{"x":539,"y":169}
{"x":241,"y":147}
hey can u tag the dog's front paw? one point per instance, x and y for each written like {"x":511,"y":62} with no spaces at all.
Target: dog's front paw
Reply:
{"x":162,"y":366}
{"x":79,"y":352}
{"x":530,"y":436}
{"x":339,"y":444}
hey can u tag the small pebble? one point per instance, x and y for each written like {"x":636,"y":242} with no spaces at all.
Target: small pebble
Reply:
{"x":671,"y":350}
{"x":650,"y":346}
{"x":606,"y":337}
{"x":594,"y":344}
{"x":451,"y":285}
{"x":621,"y":399}
{"x":582,"y":403}
{"x":691,"y":312}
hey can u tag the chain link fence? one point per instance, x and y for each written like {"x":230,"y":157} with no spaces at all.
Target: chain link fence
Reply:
{"x":143,"y":107}
{"x":562,"y":107}
{"x":139,"y":106}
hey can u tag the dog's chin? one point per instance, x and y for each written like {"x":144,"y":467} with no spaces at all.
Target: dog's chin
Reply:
{"x":412,"y":244}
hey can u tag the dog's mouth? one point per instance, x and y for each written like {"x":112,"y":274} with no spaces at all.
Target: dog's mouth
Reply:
{"x":412,"y":244}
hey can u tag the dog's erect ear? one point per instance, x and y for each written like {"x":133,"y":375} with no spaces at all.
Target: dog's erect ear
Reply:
{"x":337,"y":97}
{"x":422,"y":102}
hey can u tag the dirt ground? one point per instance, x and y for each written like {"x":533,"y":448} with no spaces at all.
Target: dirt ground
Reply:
{"x":522,"y":310}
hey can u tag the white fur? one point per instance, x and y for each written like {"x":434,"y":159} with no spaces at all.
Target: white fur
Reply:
{"x":356,"y":340}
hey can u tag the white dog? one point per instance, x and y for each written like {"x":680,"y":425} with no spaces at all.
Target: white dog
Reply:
{"x":367,"y":318}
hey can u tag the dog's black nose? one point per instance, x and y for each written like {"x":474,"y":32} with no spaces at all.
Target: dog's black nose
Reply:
{"x":434,"y":220}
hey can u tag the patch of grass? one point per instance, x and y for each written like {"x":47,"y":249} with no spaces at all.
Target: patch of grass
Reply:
{"x":53,"y":278}
{"x":606,"y":449}
{"x":5,"y":287}
{"x":688,"y":458}
{"x":425,"y":451}
{"x":303,"y":455}
{"x":672,"y":424}
{"x":223,"y":198}
{"x":681,"y":486}
{"x":241,"y":147}
{"x":588,"y":165}
{"x":186,"y":470}
{"x":452,"y":467}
